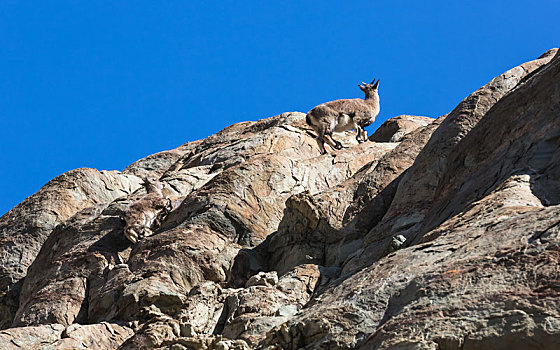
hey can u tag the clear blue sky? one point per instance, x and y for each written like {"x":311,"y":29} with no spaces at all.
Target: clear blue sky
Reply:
{"x":103,"y":83}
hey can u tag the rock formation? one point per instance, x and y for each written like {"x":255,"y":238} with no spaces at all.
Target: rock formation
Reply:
{"x":446,"y":237}
{"x":394,"y":129}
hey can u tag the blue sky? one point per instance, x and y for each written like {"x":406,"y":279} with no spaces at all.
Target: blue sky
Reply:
{"x":103,"y":83}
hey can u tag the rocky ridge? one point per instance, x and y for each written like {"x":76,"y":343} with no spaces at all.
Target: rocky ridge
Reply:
{"x":440,"y":234}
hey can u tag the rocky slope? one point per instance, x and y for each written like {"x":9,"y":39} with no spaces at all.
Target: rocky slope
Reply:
{"x":439,"y":234}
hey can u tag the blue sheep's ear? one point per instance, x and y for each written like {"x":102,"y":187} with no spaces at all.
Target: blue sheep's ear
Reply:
{"x":373,"y":81}
{"x":376,"y":85}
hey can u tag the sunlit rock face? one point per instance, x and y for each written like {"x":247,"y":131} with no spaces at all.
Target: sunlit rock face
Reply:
{"x":395,"y":129}
{"x":440,"y":233}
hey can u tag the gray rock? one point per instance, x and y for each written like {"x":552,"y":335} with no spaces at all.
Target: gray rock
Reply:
{"x":57,"y":337}
{"x":287,"y":310}
{"x":263,"y":279}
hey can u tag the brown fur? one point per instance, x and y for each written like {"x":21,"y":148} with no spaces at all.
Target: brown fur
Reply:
{"x":144,"y":216}
{"x":347,"y":114}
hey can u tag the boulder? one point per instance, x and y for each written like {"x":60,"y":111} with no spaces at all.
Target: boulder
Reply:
{"x":394,"y":129}
{"x":57,"y":337}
